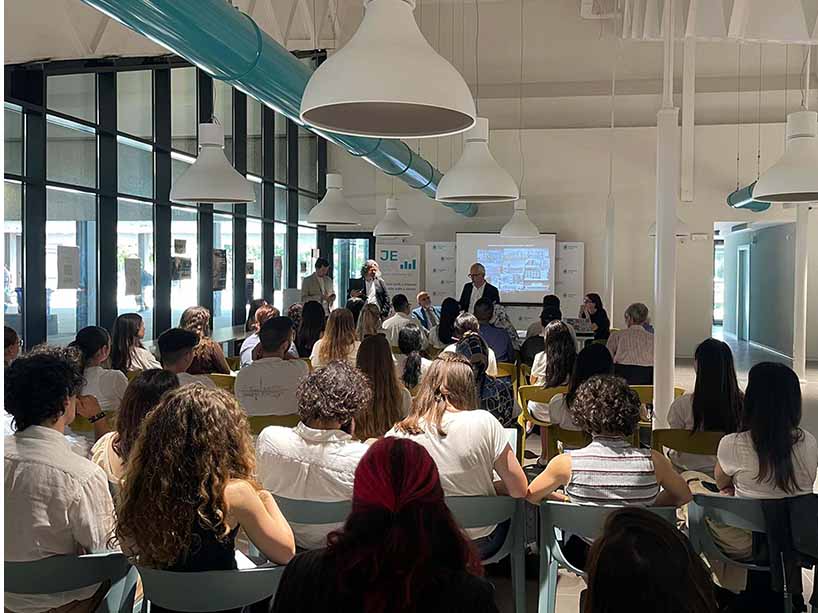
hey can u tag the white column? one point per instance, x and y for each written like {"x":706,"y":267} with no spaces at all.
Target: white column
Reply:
{"x":610,"y":252}
{"x":799,"y":334}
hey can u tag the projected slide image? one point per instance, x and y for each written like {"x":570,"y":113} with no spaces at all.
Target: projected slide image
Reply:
{"x":517,"y":269}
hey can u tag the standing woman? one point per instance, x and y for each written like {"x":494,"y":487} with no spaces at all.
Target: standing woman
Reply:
{"x":190,"y":485}
{"x":127,"y":352}
{"x":313,"y":320}
{"x":442,"y":335}
{"x":390,"y":400}
{"x":208,"y":356}
{"x":593,"y":310}
{"x":554,"y":364}
{"x":339,"y":341}
{"x":369,"y":322}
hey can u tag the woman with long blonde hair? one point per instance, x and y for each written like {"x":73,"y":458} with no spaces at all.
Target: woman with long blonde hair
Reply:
{"x":390,"y":400}
{"x":208,"y":356}
{"x":189,"y":485}
{"x":339,"y":341}
{"x":369,"y":322}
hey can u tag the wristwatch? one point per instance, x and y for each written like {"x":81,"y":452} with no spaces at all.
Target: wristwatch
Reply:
{"x":97,"y":417}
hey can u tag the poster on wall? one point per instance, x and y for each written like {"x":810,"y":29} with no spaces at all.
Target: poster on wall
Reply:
{"x":133,"y":276}
{"x":441,"y":270}
{"x":400,"y":267}
{"x":68,"y":267}
{"x":277,"y":271}
{"x":219,"y":269}
{"x":570,"y":278}
{"x":180,"y":268}
{"x":179,"y":246}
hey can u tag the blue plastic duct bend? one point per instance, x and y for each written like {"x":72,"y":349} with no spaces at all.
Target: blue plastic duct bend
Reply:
{"x":743,"y":199}
{"x":230,"y":46}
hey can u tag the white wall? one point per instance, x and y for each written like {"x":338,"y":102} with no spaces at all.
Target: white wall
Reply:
{"x":566,"y":182}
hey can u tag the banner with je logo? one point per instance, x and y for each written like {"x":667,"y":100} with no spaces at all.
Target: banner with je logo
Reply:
{"x":400,"y":267}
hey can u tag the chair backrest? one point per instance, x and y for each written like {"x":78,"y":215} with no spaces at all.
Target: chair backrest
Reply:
{"x":308,"y":362}
{"x":225,"y":382}
{"x":633,"y":374}
{"x":506,"y":369}
{"x":571,"y":438}
{"x":645,"y":392}
{"x":701,"y":443}
{"x":70,"y":572}
{"x":215,"y":590}
{"x":512,"y":435}
{"x":259,"y":422}
{"x":132,"y":374}
{"x":732,"y":511}
{"x":479,"y":511}
{"x":234,"y":362}
{"x":313,"y":512}
{"x":81,"y":424}
{"x":537,"y":393}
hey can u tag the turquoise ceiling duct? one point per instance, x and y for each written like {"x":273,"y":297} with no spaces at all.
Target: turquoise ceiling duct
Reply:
{"x":229,"y":45}
{"x":743,"y":199}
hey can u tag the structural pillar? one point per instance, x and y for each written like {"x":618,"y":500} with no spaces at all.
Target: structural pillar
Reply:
{"x":610,"y":251}
{"x":799,"y":335}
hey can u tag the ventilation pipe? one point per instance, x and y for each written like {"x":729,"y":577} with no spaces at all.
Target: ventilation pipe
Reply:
{"x":231,"y":47}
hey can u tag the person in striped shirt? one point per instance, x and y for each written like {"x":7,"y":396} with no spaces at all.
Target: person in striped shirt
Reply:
{"x":610,"y":470}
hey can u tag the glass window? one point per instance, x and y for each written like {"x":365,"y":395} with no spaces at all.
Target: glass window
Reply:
{"x":223,"y":110}
{"x":222,"y":271}
{"x":184,"y":262}
{"x":279,"y":264}
{"x":73,"y":94}
{"x":305,"y":205}
{"x":281,"y":148}
{"x":13,"y":255}
{"x":718,"y":283}
{"x":13,"y":139}
{"x":255,"y":208}
{"x":307,"y":241}
{"x":254,"y":160}
{"x":183,"y":109}
{"x":254,"y":277}
{"x":178,"y":164}
{"x":281,"y":203}
{"x":134,"y":261}
{"x":70,"y":263}
{"x":307,"y":160}
{"x":71,"y":152}
{"x":135,"y":167}
{"x":134,"y":103}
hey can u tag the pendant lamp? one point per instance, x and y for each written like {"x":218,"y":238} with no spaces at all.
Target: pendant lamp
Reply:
{"x":392,"y":224}
{"x":477,"y":177}
{"x":333,"y":210}
{"x":520,"y":226}
{"x":388,"y":82}
{"x":681,"y":230}
{"x":794,"y":177}
{"x":211,"y":178}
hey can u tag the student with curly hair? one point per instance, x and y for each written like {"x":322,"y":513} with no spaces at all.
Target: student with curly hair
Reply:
{"x":190,"y":485}
{"x":610,"y":470}
{"x":316,"y":460}
{"x":208,"y":356}
{"x":56,"y":502}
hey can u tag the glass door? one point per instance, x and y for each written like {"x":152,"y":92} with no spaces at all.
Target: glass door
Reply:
{"x":349,"y":252}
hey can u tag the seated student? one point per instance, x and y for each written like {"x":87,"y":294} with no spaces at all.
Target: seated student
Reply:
{"x":643,"y":563}
{"x":106,"y":385}
{"x":401,"y":319}
{"x":316,"y":460}
{"x":391,"y":401}
{"x":313,"y":321}
{"x":550,"y":303}
{"x":411,"y":366}
{"x":11,"y":345}
{"x":426,"y":313}
{"x":190,"y":486}
{"x":369,"y":322}
{"x":496,"y":338}
{"x":339,"y":341}
{"x":127,"y":352}
{"x":176,"y":347}
{"x":397,"y":506}
{"x":536,"y":343}
{"x":467,"y":444}
{"x":610,"y":470}
{"x":714,"y":406}
{"x":268,"y":385}
{"x":263,"y":313}
{"x":634,"y":345}
{"x":496,"y":394}
{"x":56,"y":502}
{"x":143,"y":394}
{"x":251,"y":325}
{"x":208,"y":357}
{"x":442,"y":335}
{"x":554,"y":363}
{"x":465,"y":323}
{"x":355,"y":306}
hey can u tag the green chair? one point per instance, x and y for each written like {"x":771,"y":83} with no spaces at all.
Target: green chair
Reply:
{"x":698,"y":443}
{"x":558,"y":518}
{"x":70,"y":572}
{"x":312,"y":512}
{"x":215,"y":590}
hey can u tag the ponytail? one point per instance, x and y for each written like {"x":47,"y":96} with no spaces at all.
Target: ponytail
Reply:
{"x":89,"y":341}
{"x":411,"y":370}
{"x":410,"y":341}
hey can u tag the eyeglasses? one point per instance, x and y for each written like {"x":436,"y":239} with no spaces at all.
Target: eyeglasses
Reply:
{"x":476,"y":274}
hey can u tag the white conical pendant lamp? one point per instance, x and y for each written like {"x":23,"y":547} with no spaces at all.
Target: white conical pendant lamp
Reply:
{"x":520,"y":226}
{"x":794,"y":177}
{"x":333,"y":210}
{"x":211,"y":178}
{"x":477,"y":177}
{"x":392,"y":224}
{"x":388,"y":82}
{"x":681,"y":230}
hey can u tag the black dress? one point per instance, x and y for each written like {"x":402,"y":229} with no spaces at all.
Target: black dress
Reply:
{"x":454,"y":592}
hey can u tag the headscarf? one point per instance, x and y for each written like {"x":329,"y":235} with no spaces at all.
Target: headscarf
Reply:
{"x":495,"y":394}
{"x":500,"y":320}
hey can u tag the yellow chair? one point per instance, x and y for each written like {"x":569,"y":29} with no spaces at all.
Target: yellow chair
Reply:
{"x":506,"y":369}
{"x":572,"y":438}
{"x":234,"y":362}
{"x":525,"y":374}
{"x":699,"y":443}
{"x":259,"y":422}
{"x":646,"y":392}
{"x":433,"y":352}
{"x":533,"y":393}
{"x":308,"y":362}
{"x":132,"y":374}
{"x":81,"y":424}
{"x":225,"y":382}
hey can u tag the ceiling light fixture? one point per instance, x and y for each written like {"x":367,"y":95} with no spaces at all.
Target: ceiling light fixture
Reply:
{"x":520,"y":226}
{"x":211,"y":178}
{"x":388,"y":82}
{"x":334,"y":210}
{"x":392,"y":224}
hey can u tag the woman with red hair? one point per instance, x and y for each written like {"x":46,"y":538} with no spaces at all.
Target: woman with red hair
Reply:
{"x":400,"y":549}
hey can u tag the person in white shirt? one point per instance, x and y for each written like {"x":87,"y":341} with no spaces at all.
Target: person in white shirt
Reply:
{"x":318,"y":286}
{"x":478,"y":288}
{"x":466,"y":322}
{"x":268,"y":385}
{"x":317,"y":459}
{"x":339,"y":341}
{"x":127,"y":352}
{"x":263,"y":313}
{"x":467,"y":444}
{"x":371,"y":287}
{"x":176,"y":349}
{"x":56,"y":502}
{"x":403,"y":317}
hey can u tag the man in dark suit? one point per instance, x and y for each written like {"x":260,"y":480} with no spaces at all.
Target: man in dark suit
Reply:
{"x":427,"y":314}
{"x":371,"y":288}
{"x":477,"y":289}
